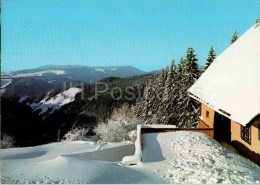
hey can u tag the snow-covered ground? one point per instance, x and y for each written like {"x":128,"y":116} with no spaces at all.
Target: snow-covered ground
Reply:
{"x":105,"y":69}
{"x":176,"y":157}
{"x":56,"y":102}
{"x":189,"y":157}
{"x":40,"y":73}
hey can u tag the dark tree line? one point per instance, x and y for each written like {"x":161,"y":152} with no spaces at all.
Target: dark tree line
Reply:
{"x":165,"y":99}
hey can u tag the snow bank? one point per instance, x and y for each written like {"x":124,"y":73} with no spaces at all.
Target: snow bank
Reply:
{"x":56,"y":102}
{"x":174,"y":157}
{"x":67,"y":162}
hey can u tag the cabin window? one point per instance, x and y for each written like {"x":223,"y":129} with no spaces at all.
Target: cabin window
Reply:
{"x":246,"y":134}
{"x":207,"y":114}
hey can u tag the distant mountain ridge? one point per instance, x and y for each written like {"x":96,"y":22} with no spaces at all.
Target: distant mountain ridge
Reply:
{"x":35,"y":83}
{"x":78,"y":72}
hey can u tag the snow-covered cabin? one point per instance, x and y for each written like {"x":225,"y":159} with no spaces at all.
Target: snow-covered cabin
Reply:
{"x":229,"y":92}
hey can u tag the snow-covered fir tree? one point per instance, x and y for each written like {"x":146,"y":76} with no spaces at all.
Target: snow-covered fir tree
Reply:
{"x":186,"y":106}
{"x":165,"y":99}
{"x":157,"y":94}
{"x":211,"y":57}
{"x":146,"y":105}
{"x":191,"y":68}
{"x":169,"y":97}
{"x":234,"y":37}
{"x":181,"y":65}
{"x":172,"y":69}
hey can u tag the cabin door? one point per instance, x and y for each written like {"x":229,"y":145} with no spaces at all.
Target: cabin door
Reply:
{"x":222,"y":128}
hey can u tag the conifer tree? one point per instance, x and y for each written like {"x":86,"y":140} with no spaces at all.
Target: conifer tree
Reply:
{"x":172,"y":69}
{"x":159,"y":87}
{"x":181,"y":65}
{"x":169,"y":100}
{"x":167,"y":89}
{"x":145,"y":106}
{"x":165,"y":99}
{"x":180,"y":70}
{"x":234,"y":37}
{"x":211,"y":57}
{"x":163,"y":75}
{"x":187,"y":108}
{"x":160,"y":83}
{"x":191,"y":67}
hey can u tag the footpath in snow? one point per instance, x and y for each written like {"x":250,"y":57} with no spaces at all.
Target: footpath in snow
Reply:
{"x":175,"y":157}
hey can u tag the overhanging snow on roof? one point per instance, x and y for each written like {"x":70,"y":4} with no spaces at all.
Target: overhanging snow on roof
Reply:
{"x":231,"y":85}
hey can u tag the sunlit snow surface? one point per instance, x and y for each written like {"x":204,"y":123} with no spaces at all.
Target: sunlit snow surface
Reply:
{"x":195,"y":158}
{"x":56,"y":102}
{"x":177,"y":157}
{"x":105,"y":69}
{"x":40,"y":73}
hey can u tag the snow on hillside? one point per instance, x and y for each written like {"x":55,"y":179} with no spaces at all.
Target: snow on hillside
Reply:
{"x":176,"y":157}
{"x":22,"y":99}
{"x":5,"y":82}
{"x":40,"y":73}
{"x":56,"y":102}
{"x":105,"y":69}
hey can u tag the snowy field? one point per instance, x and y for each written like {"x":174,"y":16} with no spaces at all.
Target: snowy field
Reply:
{"x":176,"y":157}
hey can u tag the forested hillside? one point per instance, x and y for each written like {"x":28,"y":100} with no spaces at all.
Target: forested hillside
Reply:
{"x":157,"y":98}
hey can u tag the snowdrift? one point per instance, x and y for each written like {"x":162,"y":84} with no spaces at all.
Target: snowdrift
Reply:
{"x":176,"y":157}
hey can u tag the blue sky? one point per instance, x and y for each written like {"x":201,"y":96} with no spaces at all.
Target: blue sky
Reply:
{"x":146,"y":34}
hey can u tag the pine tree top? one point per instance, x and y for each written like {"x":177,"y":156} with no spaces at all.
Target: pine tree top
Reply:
{"x":211,"y":57}
{"x":191,"y":56}
{"x":191,"y":67}
{"x":181,"y":65}
{"x":234,"y":37}
{"x":172,"y":69}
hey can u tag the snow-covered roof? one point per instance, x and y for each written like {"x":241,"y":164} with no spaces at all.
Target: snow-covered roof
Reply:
{"x":231,"y":85}
{"x":159,"y":126}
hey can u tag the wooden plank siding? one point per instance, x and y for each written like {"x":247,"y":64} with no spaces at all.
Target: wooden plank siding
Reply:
{"x":208,"y":131}
{"x":203,"y":124}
